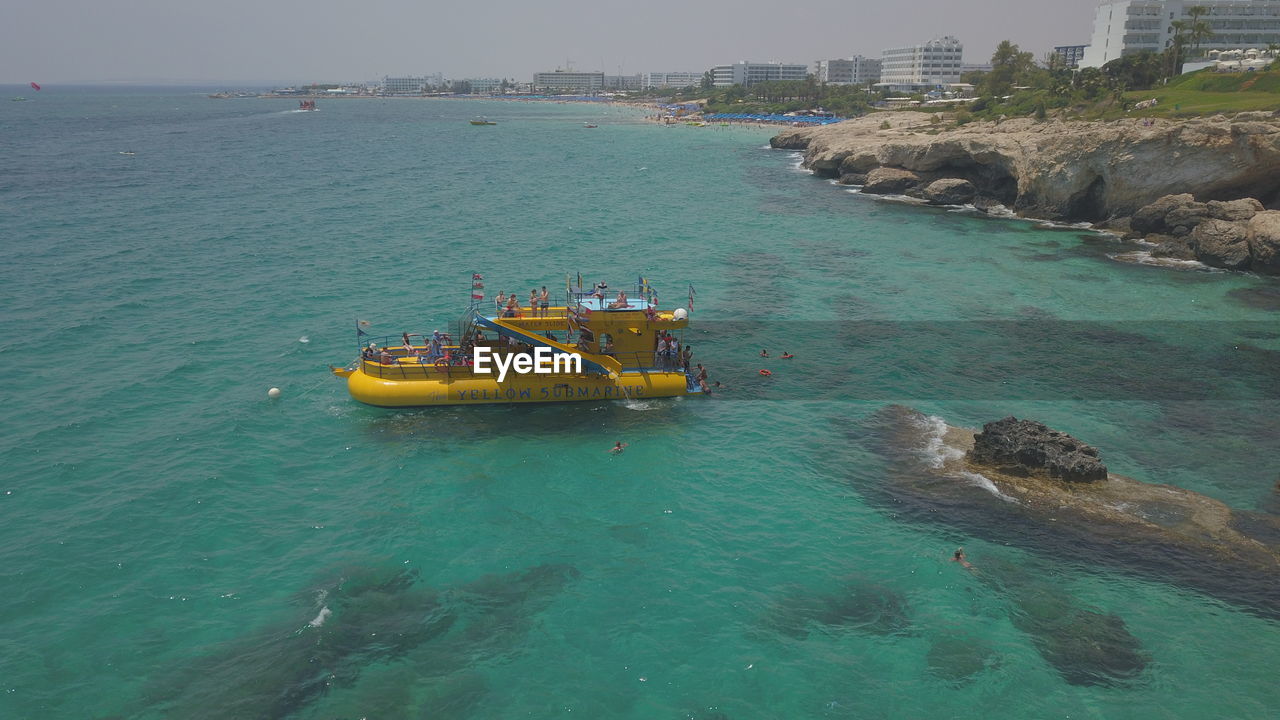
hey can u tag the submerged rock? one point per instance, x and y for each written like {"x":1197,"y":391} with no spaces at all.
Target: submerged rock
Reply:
{"x":1163,"y":532}
{"x":858,"y":605}
{"x":1026,"y":447}
{"x":959,"y":658}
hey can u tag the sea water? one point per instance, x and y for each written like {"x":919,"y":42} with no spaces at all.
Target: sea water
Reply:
{"x":176,"y":544}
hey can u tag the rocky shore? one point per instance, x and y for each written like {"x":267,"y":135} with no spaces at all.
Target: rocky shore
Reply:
{"x":1206,"y":189}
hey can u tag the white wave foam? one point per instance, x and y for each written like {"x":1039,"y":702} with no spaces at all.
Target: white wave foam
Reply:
{"x":797,"y":163}
{"x":640,"y":404}
{"x":938,"y":454}
{"x":1144,"y":257}
{"x":304,"y":339}
{"x":985,"y":483}
{"x":904,"y":199}
{"x":319,"y":619}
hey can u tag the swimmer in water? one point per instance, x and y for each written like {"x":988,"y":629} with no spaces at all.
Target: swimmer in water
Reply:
{"x":958,"y":556}
{"x":618,"y":447}
{"x":764,"y":353}
{"x":787,"y":356}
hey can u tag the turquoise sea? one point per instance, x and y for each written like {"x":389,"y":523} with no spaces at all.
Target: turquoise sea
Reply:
{"x":173,"y":544}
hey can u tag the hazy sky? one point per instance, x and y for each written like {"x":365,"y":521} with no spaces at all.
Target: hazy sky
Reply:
{"x":297,"y":41}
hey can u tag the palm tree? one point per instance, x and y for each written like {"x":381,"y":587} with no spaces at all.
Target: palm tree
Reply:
{"x":1198,"y":30}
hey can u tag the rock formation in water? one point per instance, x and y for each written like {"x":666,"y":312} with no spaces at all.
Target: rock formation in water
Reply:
{"x":1085,"y":645}
{"x":1026,"y":447}
{"x":1163,"y":532}
{"x":1102,"y":172}
{"x":365,"y":617}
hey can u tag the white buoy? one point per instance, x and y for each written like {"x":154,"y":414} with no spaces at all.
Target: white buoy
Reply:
{"x":273,"y":393}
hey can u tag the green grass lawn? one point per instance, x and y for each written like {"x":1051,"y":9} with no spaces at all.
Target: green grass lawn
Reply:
{"x":1206,"y":93}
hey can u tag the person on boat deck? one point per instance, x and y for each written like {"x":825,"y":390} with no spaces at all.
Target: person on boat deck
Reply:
{"x":544,"y":301}
{"x":513,"y":306}
{"x":408,"y":346}
{"x":608,"y":346}
{"x":370,"y":352}
{"x":599,"y":291}
{"x":501,"y":300}
{"x":686,"y":356}
{"x":660,"y":353}
{"x":385,"y":357}
{"x":533,"y":302}
{"x":650,"y":313}
{"x":620,"y":302}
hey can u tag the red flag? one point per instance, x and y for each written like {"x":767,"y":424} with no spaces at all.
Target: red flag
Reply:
{"x":477,"y":276}
{"x":477,"y":285}
{"x":477,"y":296}
{"x":35,"y":86}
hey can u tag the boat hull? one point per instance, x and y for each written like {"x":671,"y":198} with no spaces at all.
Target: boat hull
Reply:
{"x":480,"y":390}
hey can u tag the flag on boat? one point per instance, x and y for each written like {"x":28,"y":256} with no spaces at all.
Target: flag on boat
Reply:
{"x":477,"y":296}
{"x":477,"y":285}
{"x":35,"y":86}
{"x":477,"y":276}
{"x":692,"y":292}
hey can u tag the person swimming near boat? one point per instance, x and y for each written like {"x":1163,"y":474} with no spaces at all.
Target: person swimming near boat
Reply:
{"x":618,"y":447}
{"x":958,"y":557}
{"x":787,"y":356}
{"x":764,"y":353}
{"x":701,"y":377}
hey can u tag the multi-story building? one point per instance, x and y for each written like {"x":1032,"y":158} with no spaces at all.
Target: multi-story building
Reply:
{"x":1124,"y":27}
{"x":582,"y":83}
{"x":624,"y":82}
{"x":672,"y":79}
{"x":856,"y":70}
{"x":931,"y":64}
{"x":751,"y":73}
{"x":410,"y":85}
{"x":1070,"y":55}
{"x":485,"y":86}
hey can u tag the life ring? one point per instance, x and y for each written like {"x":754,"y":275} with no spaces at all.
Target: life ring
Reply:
{"x":765,"y":373}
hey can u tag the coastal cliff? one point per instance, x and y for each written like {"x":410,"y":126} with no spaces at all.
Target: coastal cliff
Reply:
{"x":1072,"y":171}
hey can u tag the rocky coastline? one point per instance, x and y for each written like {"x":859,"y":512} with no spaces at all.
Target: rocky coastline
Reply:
{"x":1205,"y":189}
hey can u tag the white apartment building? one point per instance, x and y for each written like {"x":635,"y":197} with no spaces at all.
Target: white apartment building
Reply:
{"x":485,"y":86}
{"x":672,"y":79}
{"x":936,"y":62}
{"x":624,"y":82}
{"x":856,"y":70}
{"x":410,"y":85}
{"x":582,"y":83}
{"x":750,"y":73}
{"x":1124,"y":27}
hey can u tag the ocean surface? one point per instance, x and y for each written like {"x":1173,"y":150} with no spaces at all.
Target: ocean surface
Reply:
{"x":173,"y":544}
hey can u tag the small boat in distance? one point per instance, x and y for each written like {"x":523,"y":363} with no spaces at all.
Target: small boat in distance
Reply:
{"x":18,"y":99}
{"x":589,"y":125}
{"x":483,"y":121}
{"x":306,"y":104}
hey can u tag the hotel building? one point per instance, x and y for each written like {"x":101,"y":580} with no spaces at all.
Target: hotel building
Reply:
{"x":672,"y":79}
{"x":914,"y":67}
{"x":856,"y":70}
{"x":581,"y":83}
{"x":750,"y":73}
{"x":1124,"y":27}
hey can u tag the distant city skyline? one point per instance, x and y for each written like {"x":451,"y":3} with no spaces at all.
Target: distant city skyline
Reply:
{"x":238,"y":41}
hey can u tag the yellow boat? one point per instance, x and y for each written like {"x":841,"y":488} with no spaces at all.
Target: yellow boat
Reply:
{"x":597,"y":345}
